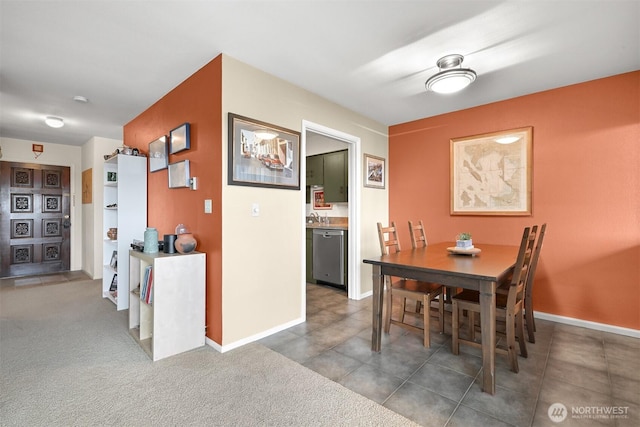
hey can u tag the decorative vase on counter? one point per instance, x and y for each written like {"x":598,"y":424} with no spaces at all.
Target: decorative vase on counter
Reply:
{"x":185,"y":242}
{"x":150,"y":241}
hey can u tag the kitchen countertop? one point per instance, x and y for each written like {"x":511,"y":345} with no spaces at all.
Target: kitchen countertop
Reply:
{"x":339,"y":226}
{"x":334,"y":223}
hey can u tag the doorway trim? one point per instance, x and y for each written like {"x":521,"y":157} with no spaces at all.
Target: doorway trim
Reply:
{"x":355,"y":183}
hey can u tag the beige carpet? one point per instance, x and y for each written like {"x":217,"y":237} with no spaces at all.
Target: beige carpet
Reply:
{"x":66,"y":358}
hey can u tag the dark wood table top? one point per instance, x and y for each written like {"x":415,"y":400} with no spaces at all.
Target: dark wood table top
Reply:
{"x":492,"y":263}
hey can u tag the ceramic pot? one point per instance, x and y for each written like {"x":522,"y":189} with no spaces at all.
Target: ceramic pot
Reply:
{"x":186,"y":243}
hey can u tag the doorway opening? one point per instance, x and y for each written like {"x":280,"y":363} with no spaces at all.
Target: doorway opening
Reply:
{"x":333,"y":140}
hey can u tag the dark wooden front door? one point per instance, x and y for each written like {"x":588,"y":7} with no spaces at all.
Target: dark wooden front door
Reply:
{"x":34,"y":219}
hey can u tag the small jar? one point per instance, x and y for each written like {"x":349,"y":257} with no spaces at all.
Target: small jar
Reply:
{"x":186,"y":243}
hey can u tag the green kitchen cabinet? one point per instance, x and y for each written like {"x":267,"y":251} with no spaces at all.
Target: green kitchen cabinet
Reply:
{"x":336,"y":176}
{"x":315,"y":170}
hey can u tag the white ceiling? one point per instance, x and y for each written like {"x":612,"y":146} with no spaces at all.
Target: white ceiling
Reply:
{"x":372,"y":57}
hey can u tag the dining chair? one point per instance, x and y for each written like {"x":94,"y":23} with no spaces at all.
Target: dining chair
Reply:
{"x":404,"y":289}
{"x":418,"y":235}
{"x":528,"y":296}
{"x":509,"y":307}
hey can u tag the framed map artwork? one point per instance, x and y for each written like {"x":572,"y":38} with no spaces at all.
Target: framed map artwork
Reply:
{"x":491,"y":173}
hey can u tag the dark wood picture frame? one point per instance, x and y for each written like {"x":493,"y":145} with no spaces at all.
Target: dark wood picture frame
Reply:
{"x":260,"y":160}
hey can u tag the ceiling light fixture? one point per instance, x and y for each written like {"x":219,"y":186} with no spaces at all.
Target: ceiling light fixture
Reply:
{"x":449,"y":79}
{"x":81,"y":99}
{"x":507,"y":139}
{"x":54,"y":122}
{"x":265,"y":134}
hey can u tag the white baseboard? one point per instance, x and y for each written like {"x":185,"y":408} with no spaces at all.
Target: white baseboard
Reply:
{"x":240,"y":343}
{"x":588,"y":324}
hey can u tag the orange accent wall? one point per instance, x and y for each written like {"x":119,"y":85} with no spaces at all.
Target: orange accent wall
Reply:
{"x":198,"y":101}
{"x":586,"y":187}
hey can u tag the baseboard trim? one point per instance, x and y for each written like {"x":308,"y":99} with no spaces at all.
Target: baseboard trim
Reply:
{"x":588,"y":324}
{"x":256,"y":337}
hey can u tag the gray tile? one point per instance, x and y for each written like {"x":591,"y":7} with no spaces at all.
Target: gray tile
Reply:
{"x":467,"y":417}
{"x":357,"y":348}
{"x":441,"y":380}
{"x":398,"y":360}
{"x":560,"y":391}
{"x":507,"y":405}
{"x":279,"y":339}
{"x":578,"y":375}
{"x":625,"y":389}
{"x":371,"y":382}
{"x":463,"y":363}
{"x":332,"y":365}
{"x":412,"y":402}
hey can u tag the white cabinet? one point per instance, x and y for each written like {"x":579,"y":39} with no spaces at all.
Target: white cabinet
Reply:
{"x":170,"y":318}
{"x":125,"y":209}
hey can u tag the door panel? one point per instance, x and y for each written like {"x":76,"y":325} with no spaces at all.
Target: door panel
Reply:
{"x":34,"y":219}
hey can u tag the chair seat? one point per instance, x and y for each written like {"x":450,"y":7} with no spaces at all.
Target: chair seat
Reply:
{"x":409,"y":285}
{"x":473,"y":297}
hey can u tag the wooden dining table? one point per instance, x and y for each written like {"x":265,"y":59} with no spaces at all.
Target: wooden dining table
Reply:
{"x":434,"y":263}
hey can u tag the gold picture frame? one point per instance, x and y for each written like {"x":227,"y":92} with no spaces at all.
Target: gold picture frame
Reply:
{"x":491,"y":173}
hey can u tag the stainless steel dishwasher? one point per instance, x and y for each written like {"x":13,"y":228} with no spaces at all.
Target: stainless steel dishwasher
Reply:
{"x":328,"y":256}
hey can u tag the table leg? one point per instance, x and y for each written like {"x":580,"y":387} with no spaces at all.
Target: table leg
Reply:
{"x":488,"y":326}
{"x":378,"y":292}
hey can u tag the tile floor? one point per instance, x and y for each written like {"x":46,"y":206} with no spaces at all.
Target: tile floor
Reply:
{"x":590,"y":372}
{"x":44,"y":279}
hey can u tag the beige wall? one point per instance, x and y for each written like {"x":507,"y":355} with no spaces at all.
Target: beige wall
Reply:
{"x":92,"y":230}
{"x":18,"y":150}
{"x":263,"y":257}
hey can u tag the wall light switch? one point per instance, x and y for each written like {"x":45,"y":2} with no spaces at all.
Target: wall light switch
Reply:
{"x":208,"y":206}
{"x":255,"y":209}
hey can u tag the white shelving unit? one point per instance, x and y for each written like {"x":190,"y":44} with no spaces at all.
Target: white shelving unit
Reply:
{"x":125,"y":208}
{"x":174,"y":321}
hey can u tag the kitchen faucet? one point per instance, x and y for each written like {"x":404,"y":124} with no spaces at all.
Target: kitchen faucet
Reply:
{"x":314,"y":217}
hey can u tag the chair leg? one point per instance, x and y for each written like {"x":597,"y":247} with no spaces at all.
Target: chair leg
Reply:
{"x":511,"y":342}
{"x":427,"y":325}
{"x":471,"y":318}
{"x":455,"y":345}
{"x":418,"y":306}
{"x":520,"y":330}
{"x":404,"y":307}
{"x":441,"y":311}
{"x":531,"y":324}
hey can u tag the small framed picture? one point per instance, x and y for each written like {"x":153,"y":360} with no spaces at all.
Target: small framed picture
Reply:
{"x":114,"y":283}
{"x":180,"y":139}
{"x":374,"y":171}
{"x":318,"y":200}
{"x":179,"y":174}
{"x":158,"y":158}
{"x":112,"y":176}
{"x":114,"y":260}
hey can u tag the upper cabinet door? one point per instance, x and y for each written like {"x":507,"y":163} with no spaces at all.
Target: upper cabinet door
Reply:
{"x":315,"y":172}
{"x":336,"y":177}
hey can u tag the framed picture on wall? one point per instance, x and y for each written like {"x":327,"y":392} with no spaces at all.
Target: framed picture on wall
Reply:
{"x":262,"y":154}
{"x":374,"y":171}
{"x":158,"y":155}
{"x":318,"y":200}
{"x":179,"y":174}
{"x":491,"y":173}
{"x":180,"y":138}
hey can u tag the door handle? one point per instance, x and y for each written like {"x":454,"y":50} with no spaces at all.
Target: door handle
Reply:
{"x":67,"y":222}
